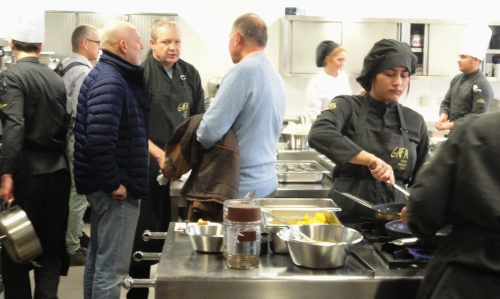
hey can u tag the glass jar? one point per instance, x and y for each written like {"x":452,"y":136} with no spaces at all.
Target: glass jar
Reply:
{"x":227,"y":203}
{"x":243,"y":236}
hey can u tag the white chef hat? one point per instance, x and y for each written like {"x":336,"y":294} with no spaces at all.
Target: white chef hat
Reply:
{"x":30,"y":27}
{"x":476,"y":40}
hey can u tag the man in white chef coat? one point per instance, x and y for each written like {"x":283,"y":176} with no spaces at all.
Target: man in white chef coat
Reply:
{"x":470,"y":92}
{"x":85,"y":45}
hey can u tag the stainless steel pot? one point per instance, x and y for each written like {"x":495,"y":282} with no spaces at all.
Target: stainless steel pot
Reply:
{"x":18,"y":235}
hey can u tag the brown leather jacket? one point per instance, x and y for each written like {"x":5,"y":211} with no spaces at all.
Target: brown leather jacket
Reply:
{"x":215,"y":172}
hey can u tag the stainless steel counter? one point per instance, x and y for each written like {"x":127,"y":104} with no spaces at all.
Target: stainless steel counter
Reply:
{"x":184,"y":273}
{"x":289,"y":190}
{"x":295,"y":190}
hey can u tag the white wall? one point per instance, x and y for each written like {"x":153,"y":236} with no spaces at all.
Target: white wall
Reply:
{"x":206,"y":25}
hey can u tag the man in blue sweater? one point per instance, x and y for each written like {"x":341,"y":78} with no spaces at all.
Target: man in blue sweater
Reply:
{"x":251,"y":99}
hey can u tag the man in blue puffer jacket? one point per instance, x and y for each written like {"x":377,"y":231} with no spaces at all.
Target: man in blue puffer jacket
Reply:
{"x":111,"y":157}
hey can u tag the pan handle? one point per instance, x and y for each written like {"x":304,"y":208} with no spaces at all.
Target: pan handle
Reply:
{"x":129,"y":283}
{"x":357,"y":199}
{"x":149,"y":235}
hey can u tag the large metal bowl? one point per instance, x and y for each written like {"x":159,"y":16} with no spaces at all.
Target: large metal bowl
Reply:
{"x":207,"y":238}
{"x":321,"y":255}
{"x":295,"y":141}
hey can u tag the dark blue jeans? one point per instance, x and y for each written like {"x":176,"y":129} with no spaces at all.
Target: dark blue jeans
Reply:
{"x":112,"y":228}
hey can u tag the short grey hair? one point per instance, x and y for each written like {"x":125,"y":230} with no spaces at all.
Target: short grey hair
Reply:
{"x":80,"y":33}
{"x":163,"y":22}
{"x":252,"y":28}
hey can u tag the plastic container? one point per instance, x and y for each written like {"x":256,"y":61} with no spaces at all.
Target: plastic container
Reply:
{"x":416,"y":40}
{"x":243,"y":236}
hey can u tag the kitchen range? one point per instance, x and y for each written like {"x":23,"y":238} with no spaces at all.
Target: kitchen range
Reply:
{"x":185,"y":273}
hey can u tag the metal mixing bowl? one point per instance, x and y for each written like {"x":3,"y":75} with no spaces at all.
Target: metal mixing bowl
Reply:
{"x":295,"y":141}
{"x":320,"y":255}
{"x":206,"y":238}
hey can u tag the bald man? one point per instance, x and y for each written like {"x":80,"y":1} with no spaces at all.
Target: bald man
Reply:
{"x":111,"y":157}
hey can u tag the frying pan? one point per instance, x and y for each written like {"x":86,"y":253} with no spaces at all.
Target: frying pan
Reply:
{"x":398,"y":230}
{"x":384,"y":212}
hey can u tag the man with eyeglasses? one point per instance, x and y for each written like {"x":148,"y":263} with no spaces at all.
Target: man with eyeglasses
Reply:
{"x":85,"y":48}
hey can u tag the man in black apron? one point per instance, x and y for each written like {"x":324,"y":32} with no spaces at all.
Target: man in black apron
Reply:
{"x":174,"y":93}
{"x":373,"y":139}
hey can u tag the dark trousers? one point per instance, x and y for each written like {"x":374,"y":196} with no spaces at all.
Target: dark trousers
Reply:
{"x":45,"y":199}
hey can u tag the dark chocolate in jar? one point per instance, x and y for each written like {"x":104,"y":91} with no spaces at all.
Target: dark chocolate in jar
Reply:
{"x":244,"y":213}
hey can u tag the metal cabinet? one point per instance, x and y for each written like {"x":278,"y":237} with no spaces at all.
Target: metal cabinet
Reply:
{"x":359,"y":37}
{"x":59,"y":26}
{"x":305,"y":37}
{"x":444,"y":44}
{"x":301,"y":35}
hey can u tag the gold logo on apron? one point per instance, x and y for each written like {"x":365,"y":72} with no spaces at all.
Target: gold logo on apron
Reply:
{"x":2,"y":105}
{"x":184,"y":108}
{"x":402,"y":154}
{"x":481,"y":101}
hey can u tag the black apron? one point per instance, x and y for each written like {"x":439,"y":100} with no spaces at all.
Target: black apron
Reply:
{"x":167,"y":111}
{"x":394,"y":149}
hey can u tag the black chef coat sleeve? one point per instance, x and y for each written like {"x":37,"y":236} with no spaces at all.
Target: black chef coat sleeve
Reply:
{"x":12,"y":115}
{"x":428,"y":206}
{"x":445,"y":104}
{"x":330,"y":133}
{"x":422,"y":150}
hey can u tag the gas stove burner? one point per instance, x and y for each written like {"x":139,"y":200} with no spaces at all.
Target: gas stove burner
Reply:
{"x":421,"y":253}
{"x":395,"y":256}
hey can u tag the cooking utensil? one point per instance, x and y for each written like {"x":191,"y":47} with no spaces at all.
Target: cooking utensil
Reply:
{"x":404,"y":241}
{"x":384,"y":212}
{"x":206,"y":238}
{"x":321,"y":255}
{"x":289,"y":226}
{"x":398,"y":230}
{"x":18,"y":235}
{"x":397,"y":187}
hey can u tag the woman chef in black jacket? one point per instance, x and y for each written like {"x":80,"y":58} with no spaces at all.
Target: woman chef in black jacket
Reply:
{"x":461,"y":186}
{"x":373,"y":140}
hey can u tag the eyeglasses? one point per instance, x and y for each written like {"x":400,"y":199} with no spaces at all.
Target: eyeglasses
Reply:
{"x":94,"y":41}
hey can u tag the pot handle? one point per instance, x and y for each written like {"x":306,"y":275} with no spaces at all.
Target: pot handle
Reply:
{"x":129,"y":283}
{"x":146,"y":256}
{"x":149,"y":235}
{"x":357,"y":199}
{"x":6,"y":205}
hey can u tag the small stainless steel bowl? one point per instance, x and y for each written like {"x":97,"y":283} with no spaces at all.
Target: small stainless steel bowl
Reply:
{"x":206,"y":238}
{"x":320,"y":255}
{"x":295,"y":141}
{"x":276,"y":244}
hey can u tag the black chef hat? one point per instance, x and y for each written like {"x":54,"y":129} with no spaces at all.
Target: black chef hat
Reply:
{"x":386,"y":54}
{"x":323,"y":50}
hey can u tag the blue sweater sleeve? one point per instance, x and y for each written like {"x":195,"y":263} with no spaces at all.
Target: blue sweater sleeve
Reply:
{"x":103,"y":119}
{"x":229,"y":101}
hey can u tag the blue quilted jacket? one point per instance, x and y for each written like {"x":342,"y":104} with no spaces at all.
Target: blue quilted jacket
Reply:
{"x":111,"y":142}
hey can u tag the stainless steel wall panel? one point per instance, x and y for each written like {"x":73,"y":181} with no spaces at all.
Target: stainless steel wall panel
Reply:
{"x":58,"y":29}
